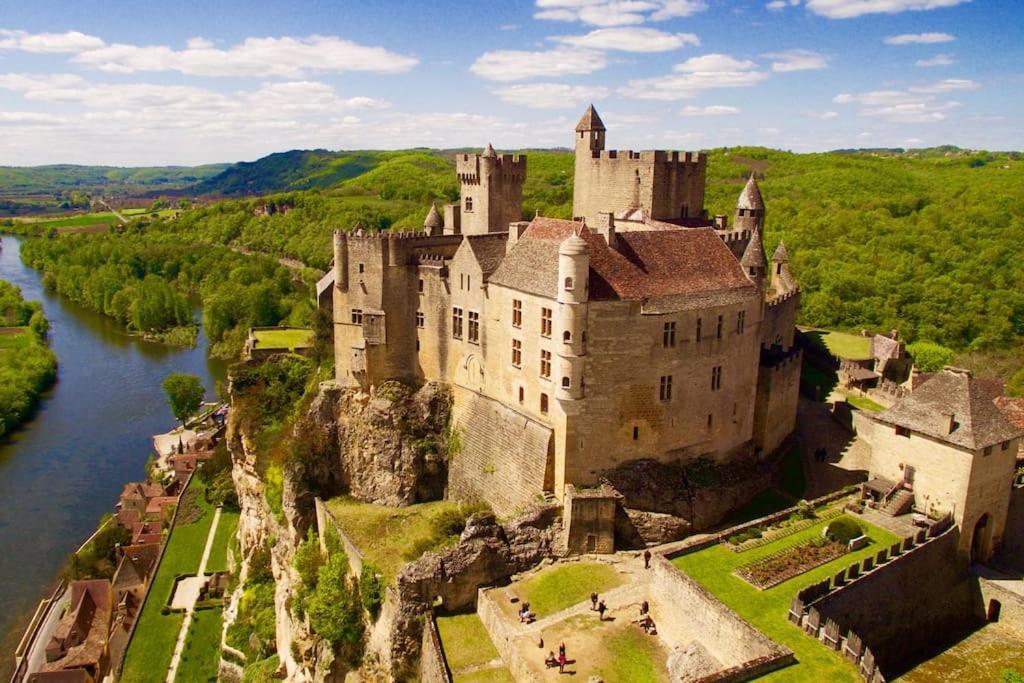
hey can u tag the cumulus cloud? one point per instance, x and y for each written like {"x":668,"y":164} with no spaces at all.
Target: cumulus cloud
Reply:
{"x":616,"y":12}
{"x":796,"y":60}
{"x":29,"y":119}
{"x":518,"y":65}
{"x":630,"y":39}
{"x":947,"y":85}
{"x":937,"y":60}
{"x":822,"y":115}
{"x":550,"y":95}
{"x":709,"y":110}
{"x":919,"y":39}
{"x":848,"y":9}
{"x":695,"y":75}
{"x":916,"y":105}
{"x":70,"y":41}
{"x":776,"y":5}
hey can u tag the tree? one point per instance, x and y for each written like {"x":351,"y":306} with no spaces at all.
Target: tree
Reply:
{"x":335,"y":611}
{"x":929,"y":356}
{"x":1015,"y":387}
{"x":184,"y":394}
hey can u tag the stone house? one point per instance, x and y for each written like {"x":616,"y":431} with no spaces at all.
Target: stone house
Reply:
{"x":80,"y":641}
{"x":951,"y":448}
{"x":641,"y":329}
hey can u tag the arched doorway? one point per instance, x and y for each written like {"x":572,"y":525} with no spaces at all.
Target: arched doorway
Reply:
{"x":980,"y":539}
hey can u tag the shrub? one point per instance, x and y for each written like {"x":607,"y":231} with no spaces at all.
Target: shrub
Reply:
{"x":308,"y":560}
{"x":929,"y":356}
{"x":843,"y":530}
{"x":371,"y":589}
{"x":334,"y":609}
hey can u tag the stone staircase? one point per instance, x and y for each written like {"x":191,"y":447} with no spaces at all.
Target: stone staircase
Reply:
{"x":899,"y":504}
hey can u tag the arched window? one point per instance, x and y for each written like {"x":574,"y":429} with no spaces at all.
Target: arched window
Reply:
{"x":566,"y":382}
{"x":567,"y":336}
{"x":568,"y":283}
{"x":469,"y":203}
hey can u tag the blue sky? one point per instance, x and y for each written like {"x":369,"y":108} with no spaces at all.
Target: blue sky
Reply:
{"x":139,"y":83}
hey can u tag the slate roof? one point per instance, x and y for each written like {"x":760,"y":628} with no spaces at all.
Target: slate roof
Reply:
{"x":884,"y":348}
{"x":780,"y":255}
{"x":1013,"y":409}
{"x":433,"y":219}
{"x":753,"y":255}
{"x":489,"y":250}
{"x":644,"y":265}
{"x":590,"y":121}
{"x":750,"y":197}
{"x":978,"y":422}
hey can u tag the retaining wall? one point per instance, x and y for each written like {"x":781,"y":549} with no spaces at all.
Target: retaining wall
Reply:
{"x":325,"y":519}
{"x":433,"y":665}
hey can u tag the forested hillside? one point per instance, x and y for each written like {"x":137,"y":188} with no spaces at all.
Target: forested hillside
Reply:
{"x":60,"y":177}
{"x":926,"y":243}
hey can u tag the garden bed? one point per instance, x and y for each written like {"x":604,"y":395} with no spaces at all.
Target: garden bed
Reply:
{"x":786,"y":527}
{"x":789,"y":562}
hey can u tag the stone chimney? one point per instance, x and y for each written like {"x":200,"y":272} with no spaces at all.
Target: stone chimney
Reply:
{"x":515,"y":231}
{"x":721,"y":221}
{"x":604,"y":225}
{"x":949,"y":422}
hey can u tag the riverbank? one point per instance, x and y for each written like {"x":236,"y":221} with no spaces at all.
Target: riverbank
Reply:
{"x":92,"y":432}
{"x":27,"y":365}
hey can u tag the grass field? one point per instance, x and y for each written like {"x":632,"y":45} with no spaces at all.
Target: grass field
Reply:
{"x":864,"y":403}
{"x":202,"y":648}
{"x":557,"y":588}
{"x":843,"y":345}
{"x":383,"y":534}
{"x":610,"y":651}
{"x":149,"y":654}
{"x":226,"y":527}
{"x":465,"y":640}
{"x":767,"y":609}
{"x":283,"y":339}
{"x":13,"y":337}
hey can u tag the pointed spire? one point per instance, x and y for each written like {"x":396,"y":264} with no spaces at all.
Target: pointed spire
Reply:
{"x":753,"y":255}
{"x":489,"y":152}
{"x":433,"y":219}
{"x":590,"y":121}
{"x":780,"y":255}
{"x":750,"y":198}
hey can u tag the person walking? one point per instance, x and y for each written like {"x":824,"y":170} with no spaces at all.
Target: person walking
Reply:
{"x":601,"y":609}
{"x":647,"y":559}
{"x":593,"y":602}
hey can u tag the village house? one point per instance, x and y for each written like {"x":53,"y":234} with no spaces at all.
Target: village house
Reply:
{"x":78,"y":648}
{"x":641,"y":329}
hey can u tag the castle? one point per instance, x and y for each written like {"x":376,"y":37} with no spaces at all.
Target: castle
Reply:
{"x":641,"y":329}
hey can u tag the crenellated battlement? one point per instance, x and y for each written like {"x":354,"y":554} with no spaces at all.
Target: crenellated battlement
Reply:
{"x":657,"y":156}
{"x":509,"y":167}
{"x":731,"y":236}
{"x":783,"y":298}
{"x":429,"y":259}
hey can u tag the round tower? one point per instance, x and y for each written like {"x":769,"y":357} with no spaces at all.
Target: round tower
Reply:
{"x":750,"y":207}
{"x":573,"y":282}
{"x":433,"y":224}
{"x":753,"y":260}
{"x":341,"y":260}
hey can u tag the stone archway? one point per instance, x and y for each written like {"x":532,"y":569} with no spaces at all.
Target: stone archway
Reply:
{"x":471,"y":372}
{"x":981,"y":546}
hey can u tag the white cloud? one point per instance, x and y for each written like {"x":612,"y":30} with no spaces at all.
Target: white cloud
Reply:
{"x":518,"y":65}
{"x":286,"y":57}
{"x":776,"y":5}
{"x":913,"y":141}
{"x":947,"y":85}
{"x":550,"y":95}
{"x":696,"y":75}
{"x":937,"y":60}
{"x":630,"y":39}
{"x":71,"y":41}
{"x":848,"y":9}
{"x":616,"y":12}
{"x":796,"y":60}
{"x":917,"y":105}
{"x":822,"y":115}
{"x":29,"y":119}
{"x":710,"y":110}
{"x":919,"y":39}
{"x":509,"y":27}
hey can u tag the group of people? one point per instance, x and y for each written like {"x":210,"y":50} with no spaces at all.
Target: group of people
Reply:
{"x":597,"y":606}
{"x":645,"y":621}
{"x":526,"y":616}
{"x":551,"y":661}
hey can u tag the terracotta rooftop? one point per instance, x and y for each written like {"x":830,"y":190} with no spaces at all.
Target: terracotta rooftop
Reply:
{"x":977,"y":422}
{"x":590,"y":121}
{"x":90,"y":604}
{"x":1013,"y":409}
{"x":645,"y":264}
{"x":144,"y":490}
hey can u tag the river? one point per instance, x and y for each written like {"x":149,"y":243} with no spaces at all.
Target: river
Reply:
{"x":66,"y":467}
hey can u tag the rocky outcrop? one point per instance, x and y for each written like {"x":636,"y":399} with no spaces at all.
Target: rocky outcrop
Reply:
{"x":386,"y":446}
{"x":488,"y":553}
{"x":638,"y":528}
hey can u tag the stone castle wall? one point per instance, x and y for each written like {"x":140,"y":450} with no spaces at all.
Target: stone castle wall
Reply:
{"x":779,"y":323}
{"x":778,"y":393}
{"x":433,"y":666}
{"x":1012,"y":551}
{"x":504,"y":456}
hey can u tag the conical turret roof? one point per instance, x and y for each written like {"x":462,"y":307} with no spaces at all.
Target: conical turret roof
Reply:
{"x":590,"y":121}
{"x":780,"y":255}
{"x":750,"y":198}
{"x":489,"y":152}
{"x":753,"y":255}
{"x":573,"y":245}
{"x":433,"y":219}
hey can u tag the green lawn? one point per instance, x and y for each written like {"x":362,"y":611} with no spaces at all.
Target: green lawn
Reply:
{"x":465,"y":641}
{"x":767,"y":610}
{"x":202,"y":648}
{"x":864,"y":403}
{"x":629,"y":654}
{"x":384,"y":534}
{"x":152,"y":646}
{"x":843,"y":345}
{"x":557,"y":588}
{"x":13,"y":337}
{"x":226,"y":527}
{"x":283,"y":339}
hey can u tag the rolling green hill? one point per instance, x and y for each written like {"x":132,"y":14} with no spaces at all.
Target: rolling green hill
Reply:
{"x":18,"y":180}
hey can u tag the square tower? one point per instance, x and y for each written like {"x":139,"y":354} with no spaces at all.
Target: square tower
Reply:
{"x":491,"y":190}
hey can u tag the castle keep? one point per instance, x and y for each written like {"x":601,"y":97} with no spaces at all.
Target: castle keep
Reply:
{"x":640,"y":330}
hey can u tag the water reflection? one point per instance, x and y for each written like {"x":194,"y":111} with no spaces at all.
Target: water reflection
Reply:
{"x":66,"y":467}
